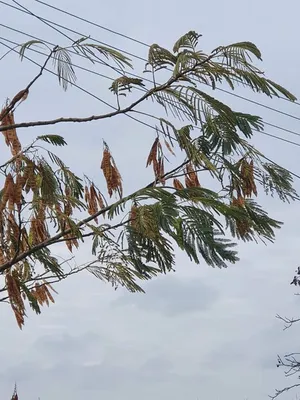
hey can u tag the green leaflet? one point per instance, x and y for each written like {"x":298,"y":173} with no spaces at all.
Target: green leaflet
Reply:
{"x":187,"y":41}
{"x":125,"y":84}
{"x":27,"y":45}
{"x":63,"y":63}
{"x":55,"y":140}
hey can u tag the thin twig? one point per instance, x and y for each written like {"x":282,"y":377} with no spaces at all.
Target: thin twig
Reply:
{"x":19,"y":154}
{"x":279,"y":392}
{"x":92,"y":233}
{"x":24,"y":93}
{"x":50,"y":280}
{"x":288,"y":321}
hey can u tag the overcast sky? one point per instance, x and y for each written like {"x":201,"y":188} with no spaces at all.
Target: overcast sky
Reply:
{"x":196,"y":334}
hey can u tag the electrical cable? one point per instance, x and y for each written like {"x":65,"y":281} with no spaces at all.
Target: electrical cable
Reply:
{"x":129,"y":73}
{"x":76,"y":32}
{"x":114,"y":32}
{"x":147,"y":45}
{"x":137,"y":120}
{"x":28,"y":11}
{"x":80,"y":88}
{"x":41,"y":19}
{"x":111,"y":106}
{"x":93,"y":23}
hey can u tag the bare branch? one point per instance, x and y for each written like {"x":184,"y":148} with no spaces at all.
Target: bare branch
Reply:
{"x":49,"y":277}
{"x":288,"y":321}
{"x":286,"y":389}
{"x":24,"y":93}
{"x":19,"y":154}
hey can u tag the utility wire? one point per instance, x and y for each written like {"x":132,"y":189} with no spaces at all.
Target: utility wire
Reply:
{"x":147,"y":45}
{"x":118,"y":70}
{"x":144,"y":90}
{"x":45,"y":54}
{"x":142,"y":113}
{"x":41,"y":19}
{"x":8,"y":52}
{"x":127,"y":37}
{"x":79,"y":87}
{"x":76,"y":32}
{"x":114,"y":32}
{"x":51,"y":72}
{"x":253,"y":129}
{"x":93,"y":23}
{"x":60,"y":32}
{"x":74,"y":52}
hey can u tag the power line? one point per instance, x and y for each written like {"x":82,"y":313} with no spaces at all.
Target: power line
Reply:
{"x":147,"y":45}
{"x":260,"y":104}
{"x":129,"y":73}
{"x":106,"y":77}
{"x":51,"y":72}
{"x":121,"y":35}
{"x":79,"y":87}
{"x":281,"y":128}
{"x":278,"y":137}
{"x":45,"y":54}
{"x":62,"y":33}
{"x":93,"y":23}
{"x":253,"y":129}
{"x":8,"y":52}
{"x":41,"y":19}
{"x":142,"y":113}
{"x":144,"y":90}
{"x":76,"y":32}
{"x":74,"y":52}
{"x":139,"y":112}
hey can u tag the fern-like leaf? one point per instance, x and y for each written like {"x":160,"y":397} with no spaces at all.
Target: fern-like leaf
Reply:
{"x":63,"y":63}
{"x":90,"y":50}
{"x":125,"y":83}
{"x":188,"y":41}
{"x":28,"y":45}
{"x":159,"y":58}
{"x":55,"y":140}
{"x":239,"y":52}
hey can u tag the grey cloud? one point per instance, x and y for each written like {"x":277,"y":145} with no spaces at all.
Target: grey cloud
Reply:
{"x":109,"y":376}
{"x":158,"y":368}
{"x":129,"y":348}
{"x":172,"y":297}
{"x":68,"y":348}
{"x":101,"y":381}
{"x":253,"y":347}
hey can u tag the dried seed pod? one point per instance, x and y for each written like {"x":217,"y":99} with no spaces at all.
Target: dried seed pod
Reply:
{"x":177,"y":184}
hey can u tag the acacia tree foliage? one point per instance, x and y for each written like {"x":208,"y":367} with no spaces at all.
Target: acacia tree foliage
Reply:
{"x":133,"y":236}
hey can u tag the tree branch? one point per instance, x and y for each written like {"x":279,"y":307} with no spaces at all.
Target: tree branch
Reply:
{"x":57,"y":237}
{"x":92,"y":233}
{"x":286,"y":389}
{"x":18,"y":154}
{"x":288,"y":321}
{"x":24,"y":93}
{"x":50,"y":279}
{"x":125,"y":110}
